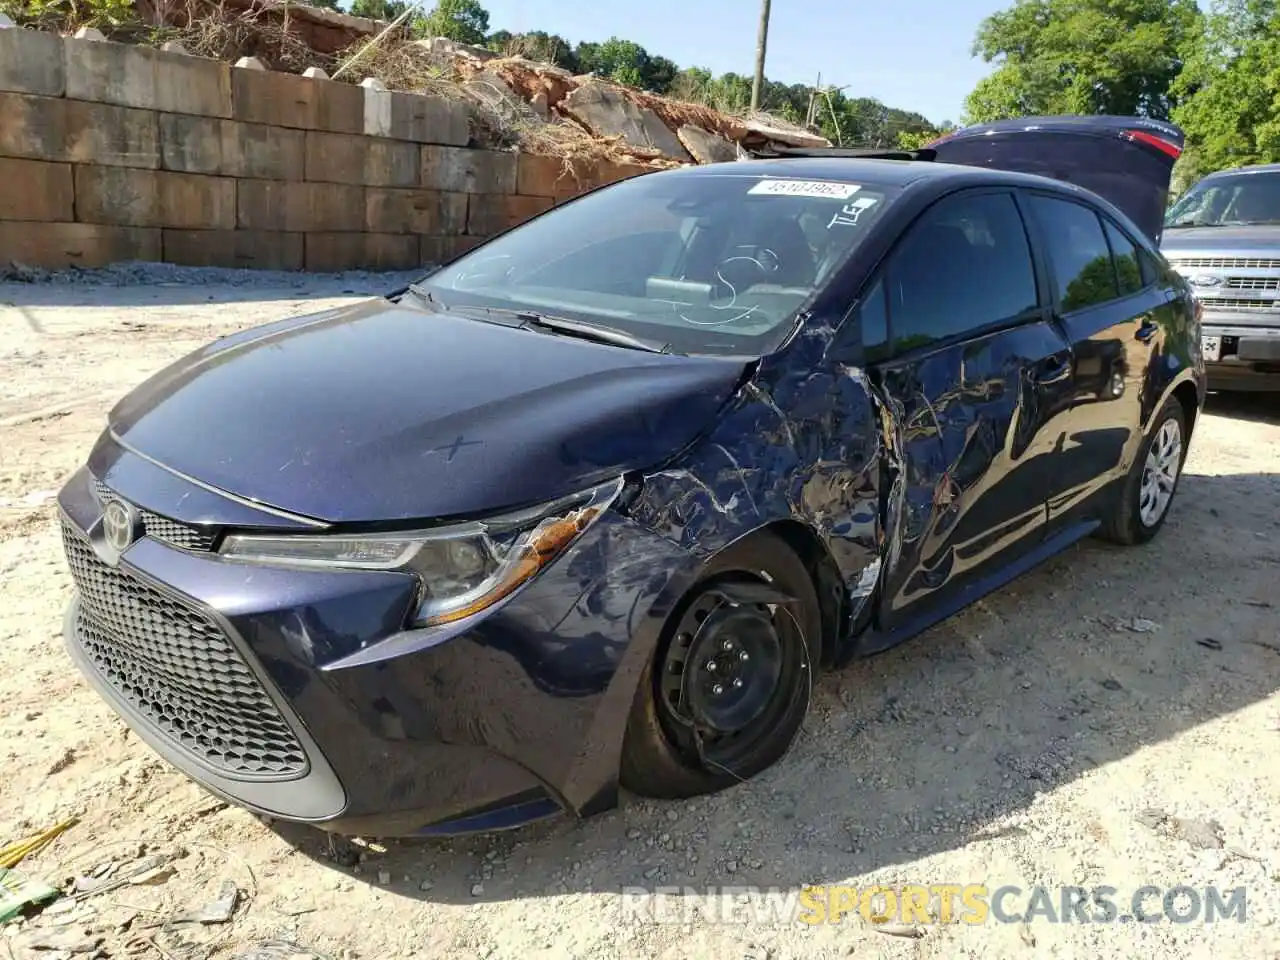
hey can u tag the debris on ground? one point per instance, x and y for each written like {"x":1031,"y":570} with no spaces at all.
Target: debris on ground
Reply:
{"x":178,"y":902}
{"x":907,"y":930}
{"x":217,"y":911}
{"x":277,"y":950}
{"x":13,"y":854}
{"x":1200,"y":834}
{"x":20,"y":894}
{"x":1141,"y":625}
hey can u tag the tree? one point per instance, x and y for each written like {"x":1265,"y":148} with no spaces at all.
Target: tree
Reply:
{"x":546,"y":48}
{"x":500,"y":40}
{"x":626,"y":62}
{"x":462,"y":20}
{"x":384,"y":10}
{"x":1230,"y":89}
{"x":1081,"y":57}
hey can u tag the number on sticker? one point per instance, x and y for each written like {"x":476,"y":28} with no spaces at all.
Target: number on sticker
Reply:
{"x":826,"y":189}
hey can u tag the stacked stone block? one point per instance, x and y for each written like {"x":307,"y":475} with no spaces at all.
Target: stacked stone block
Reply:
{"x":111,"y":152}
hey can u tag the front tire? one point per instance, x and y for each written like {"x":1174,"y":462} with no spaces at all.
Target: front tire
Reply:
{"x":1148,"y":492}
{"x":728,"y":686}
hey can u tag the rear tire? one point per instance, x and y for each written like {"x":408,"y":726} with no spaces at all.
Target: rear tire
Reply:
{"x":1147,"y":495}
{"x":764,"y":660}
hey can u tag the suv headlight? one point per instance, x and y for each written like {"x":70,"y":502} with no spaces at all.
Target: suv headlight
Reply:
{"x":463,"y":568}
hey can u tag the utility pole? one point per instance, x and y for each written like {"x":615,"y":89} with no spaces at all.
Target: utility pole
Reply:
{"x":762,"y":41}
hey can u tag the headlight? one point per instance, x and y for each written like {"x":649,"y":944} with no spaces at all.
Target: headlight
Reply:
{"x":463,"y":568}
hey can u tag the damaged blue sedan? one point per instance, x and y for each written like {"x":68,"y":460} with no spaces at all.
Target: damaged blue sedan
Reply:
{"x":589,"y":506}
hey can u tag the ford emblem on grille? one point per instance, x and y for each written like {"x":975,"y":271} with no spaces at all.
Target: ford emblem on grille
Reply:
{"x":119,"y":525}
{"x":1206,"y":280}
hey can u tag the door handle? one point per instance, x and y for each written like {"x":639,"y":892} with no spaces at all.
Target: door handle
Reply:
{"x":1146,"y":330}
{"x":1053,"y":369}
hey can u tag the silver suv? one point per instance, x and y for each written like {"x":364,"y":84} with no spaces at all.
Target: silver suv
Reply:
{"x":1223,"y":235}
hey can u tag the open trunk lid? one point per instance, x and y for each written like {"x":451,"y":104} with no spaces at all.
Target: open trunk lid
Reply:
{"x":1126,"y":160}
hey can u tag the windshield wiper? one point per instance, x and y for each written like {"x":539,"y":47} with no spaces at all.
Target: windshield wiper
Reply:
{"x":422,"y":293}
{"x":592,"y":331}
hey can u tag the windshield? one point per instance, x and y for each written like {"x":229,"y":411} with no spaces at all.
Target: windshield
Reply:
{"x":1226,"y":201}
{"x":707,"y":263}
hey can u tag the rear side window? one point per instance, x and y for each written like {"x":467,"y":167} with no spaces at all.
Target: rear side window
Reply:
{"x":964,"y":264}
{"x":1125,"y":252}
{"x":1078,"y":251}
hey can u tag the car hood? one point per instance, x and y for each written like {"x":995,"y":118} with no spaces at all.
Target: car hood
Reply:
{"x":383,"y":411}
{"x":1225,"y":239}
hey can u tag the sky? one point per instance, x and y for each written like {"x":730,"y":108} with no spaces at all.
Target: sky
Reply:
{"x":912,"y":54}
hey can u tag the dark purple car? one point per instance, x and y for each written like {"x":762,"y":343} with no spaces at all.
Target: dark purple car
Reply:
{"x":589,"y":505}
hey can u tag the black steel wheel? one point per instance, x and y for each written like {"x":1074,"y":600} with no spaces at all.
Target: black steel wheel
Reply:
{"x":727,"y":688}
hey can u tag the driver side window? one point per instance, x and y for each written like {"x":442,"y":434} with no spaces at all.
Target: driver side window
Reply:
{"x":963,"y":265}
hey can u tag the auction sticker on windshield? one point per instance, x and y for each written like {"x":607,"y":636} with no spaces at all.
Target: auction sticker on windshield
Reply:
{"x":827,"y":189}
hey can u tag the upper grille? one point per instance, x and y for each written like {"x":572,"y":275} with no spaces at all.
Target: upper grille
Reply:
{"x":177,"y":668}
{"x":1252,"y":283}
{"x":162,"y":528}
{"x":1225,"y":263}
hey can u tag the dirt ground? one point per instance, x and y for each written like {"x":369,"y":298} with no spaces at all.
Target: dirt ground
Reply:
{"x":1110,"y":719}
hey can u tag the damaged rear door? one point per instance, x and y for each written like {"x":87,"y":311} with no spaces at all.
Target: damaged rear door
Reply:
{"x":963,"y":352}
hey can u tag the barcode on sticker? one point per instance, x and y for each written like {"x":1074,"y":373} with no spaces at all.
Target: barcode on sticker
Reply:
{"x":827,"y":189}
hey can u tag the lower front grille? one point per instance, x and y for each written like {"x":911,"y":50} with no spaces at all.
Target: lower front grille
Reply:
{"x":177,"y":668}
{"x":1238,"y":303}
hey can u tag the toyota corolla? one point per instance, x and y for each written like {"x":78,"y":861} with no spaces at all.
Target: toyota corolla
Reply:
{"x":590,"y":505}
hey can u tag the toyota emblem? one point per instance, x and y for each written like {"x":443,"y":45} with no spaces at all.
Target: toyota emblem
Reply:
{"x":119,"y":525}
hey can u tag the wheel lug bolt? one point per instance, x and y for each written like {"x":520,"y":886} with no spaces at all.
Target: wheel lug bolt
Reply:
{"x":726,"y":645}
{"x":711,"y":666}
{"x":737,"y":684}
{"x":742,"y":655}
{"x":718,"y":689}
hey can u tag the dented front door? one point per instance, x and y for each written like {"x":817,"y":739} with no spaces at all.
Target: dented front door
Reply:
{"x":973,"y":410}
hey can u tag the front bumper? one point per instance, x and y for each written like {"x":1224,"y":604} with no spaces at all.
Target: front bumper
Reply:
{"x":301,"y":695}
{"x":1250,"y":357}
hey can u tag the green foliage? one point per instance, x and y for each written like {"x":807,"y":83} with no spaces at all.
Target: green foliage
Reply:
{"x":536,"y":45}
{"x":1096,"y":283}
{"x":626,"y":62}
{"x":1082,"y":57}
{"x":1230,"y":88}
{"x":866,"y":122}
{"x":385,"y":10}
{"x":465,"y":21}
{"x":70,"y":15}
{"x":914,"y":140}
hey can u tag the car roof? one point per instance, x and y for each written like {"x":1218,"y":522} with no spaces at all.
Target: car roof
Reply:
{"x":886,"y":173}
{"x":926,"y":175}
{"x":1102,"y":124}
{"x":1237,"y":171}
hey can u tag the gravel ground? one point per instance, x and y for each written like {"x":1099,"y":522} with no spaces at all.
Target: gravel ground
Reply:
{"x":1110,"y":719}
